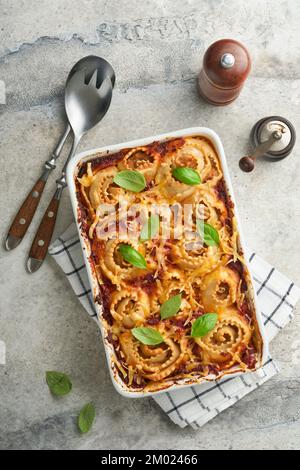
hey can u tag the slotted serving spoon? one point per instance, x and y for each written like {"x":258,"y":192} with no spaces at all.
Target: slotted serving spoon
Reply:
{"x":87,"y":100}
{"x":22,"y":220}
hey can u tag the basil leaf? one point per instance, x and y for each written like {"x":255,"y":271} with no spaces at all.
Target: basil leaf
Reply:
{"x":170,"y":307}
{"x":130,"y":179}
{"x":204,"y":324}
{"x":86,"y":417}
{"x":132,"y":256}
{"x":148,"y":336}
{"x":186,"y":175}
{"x":150,"y":228}
{"x":59,"y":384}
{"x":208,"y":233}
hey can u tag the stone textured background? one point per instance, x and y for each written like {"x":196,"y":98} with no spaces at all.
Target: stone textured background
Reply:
{"x":156,"y":49}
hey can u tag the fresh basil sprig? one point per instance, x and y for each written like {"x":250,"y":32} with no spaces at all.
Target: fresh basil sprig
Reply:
{"x":170,"y":307}
{"x":186,"y":175}
{"x":132,"y":256}
{"x":150,"y":228}
{"x":86,"y":417}
{"x":204,"y":324}
{"x":148,"y":336}
{"x":130,"y":179}
{"x":208,"y":233}
{"x":59,"y":383}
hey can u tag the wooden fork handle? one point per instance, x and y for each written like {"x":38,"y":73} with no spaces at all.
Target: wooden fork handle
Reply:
{"x":25,"y":214}
{"x":42,"y":239}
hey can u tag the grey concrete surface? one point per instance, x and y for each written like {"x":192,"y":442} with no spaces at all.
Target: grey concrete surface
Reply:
{"x":156,"y":49}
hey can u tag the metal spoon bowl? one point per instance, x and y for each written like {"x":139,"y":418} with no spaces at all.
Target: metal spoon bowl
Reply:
{"x":89,"y":64}
{"x":85,"y":103}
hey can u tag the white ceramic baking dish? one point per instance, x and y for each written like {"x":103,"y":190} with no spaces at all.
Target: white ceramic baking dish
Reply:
{"x":72,"y":171}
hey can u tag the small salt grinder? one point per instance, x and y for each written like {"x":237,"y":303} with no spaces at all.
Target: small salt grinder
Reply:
{"x":226,"y":65}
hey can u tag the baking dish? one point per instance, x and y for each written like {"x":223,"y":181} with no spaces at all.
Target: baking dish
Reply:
{"x":72,"y":172}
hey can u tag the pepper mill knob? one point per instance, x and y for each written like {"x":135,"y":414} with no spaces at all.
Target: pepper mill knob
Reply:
{"x":226,"y":65}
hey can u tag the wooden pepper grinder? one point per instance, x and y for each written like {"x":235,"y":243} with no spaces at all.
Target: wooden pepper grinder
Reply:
{"x":226,"y":65}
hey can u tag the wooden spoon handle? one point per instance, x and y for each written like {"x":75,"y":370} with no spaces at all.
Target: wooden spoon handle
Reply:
{"x":42,"y":239}
{"x":25,"y":214}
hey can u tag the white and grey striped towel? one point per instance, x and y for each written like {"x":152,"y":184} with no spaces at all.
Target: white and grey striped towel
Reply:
{"x":277,"y":296}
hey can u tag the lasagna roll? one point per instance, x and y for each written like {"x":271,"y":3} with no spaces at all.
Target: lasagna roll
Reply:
{"x":169,"y":186}
{"x":190,"y":155}
{"x":189,"y":255}
{"x":226,"y":342}
{"x":142,"y":159}
{"x":200,"y":155}
{"x":114,"y":266}
{"x":130,"y":307}
{"x":211,"y":170}
{"x":172,"y":288}
{"x":154,"y":363}
{"x":103,"y":190}
{"x":220,"y":289}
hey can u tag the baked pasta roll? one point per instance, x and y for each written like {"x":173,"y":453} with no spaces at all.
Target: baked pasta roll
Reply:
{"x":189,"y":255}
{"x":170,"y":187}
{"x":226,"y":342}
{"x":152,"y":363}
{"x":114,"y":266}
{"x":130,"y":307}
{"x":220,"y":289}
{"x":141,"y":159}
{"x":103,"y":190}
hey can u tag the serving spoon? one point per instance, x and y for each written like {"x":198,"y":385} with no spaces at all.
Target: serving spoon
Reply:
{"x":22,"y":220}
{"x":87,"y":100}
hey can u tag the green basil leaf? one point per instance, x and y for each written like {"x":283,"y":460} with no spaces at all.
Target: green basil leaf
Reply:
{"x":148,"y":336}
{"x":186,"y":175}
{"x":150,"y":229}
{"x":59,"y":384}
{"x":86,"y":417}
{"x":204,"y":324}
{"x":130,"y":179}
{"x":170,"y":307}
{"x":132,"y":256}
{"x":208,"y":233}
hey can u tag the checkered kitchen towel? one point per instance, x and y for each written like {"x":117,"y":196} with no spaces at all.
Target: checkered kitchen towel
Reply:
{"x":277,"y":296}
